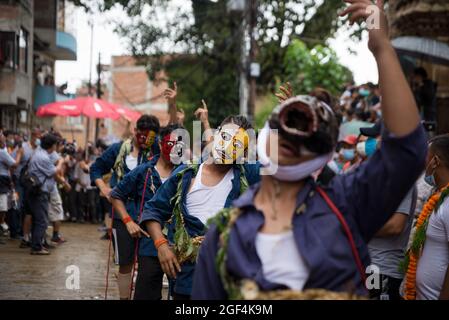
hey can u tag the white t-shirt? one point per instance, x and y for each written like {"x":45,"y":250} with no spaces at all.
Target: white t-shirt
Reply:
{"x":282,"y":262}
{"x":163,"y":179}
{"x":433,"y":263}
{"x":131,"y":162}
{"x":204,"y":202}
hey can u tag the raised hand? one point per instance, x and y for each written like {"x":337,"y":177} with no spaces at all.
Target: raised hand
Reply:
{"x":202,"y":113}
{"x":374,"y":16}
{"x":285,"y":93}
{"x":180,"y":116}
{"x":170,"y":94}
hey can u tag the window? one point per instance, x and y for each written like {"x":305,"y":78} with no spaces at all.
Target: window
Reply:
{"x":75,"y":121}
{"x":23,"y":50}
{"x":8,"y":50}
{"x":14,"y":50}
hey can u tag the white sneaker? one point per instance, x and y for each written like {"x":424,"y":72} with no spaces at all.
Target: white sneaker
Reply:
{"x":4,"y":227}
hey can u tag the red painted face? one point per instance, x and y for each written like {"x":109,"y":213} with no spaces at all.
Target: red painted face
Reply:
{"x":166,"y":146}
{"x":146,"y":138}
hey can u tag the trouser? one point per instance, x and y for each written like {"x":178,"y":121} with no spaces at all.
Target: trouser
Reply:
{"x":91,"y":204}
{"x":389,"y":289}
{"x":39,"y":211}
{"x":103,"y":207}
{"x":149,"y":279}
{"x":72,"y":201}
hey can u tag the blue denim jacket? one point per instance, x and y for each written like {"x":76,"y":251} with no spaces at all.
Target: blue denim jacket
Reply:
{"x":105,"y":163}
{"x":366,"y":197}
{"x":160,"y":209}
{"x":130,"y":189}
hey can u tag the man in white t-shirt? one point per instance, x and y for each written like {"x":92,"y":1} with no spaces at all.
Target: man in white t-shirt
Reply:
{"x":432,"y":275}
{"x":193,"y":194}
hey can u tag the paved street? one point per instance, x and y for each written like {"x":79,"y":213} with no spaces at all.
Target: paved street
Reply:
{"x":23,"y":276}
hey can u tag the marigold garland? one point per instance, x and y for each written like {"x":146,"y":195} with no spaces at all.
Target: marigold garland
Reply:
{"x":419,"y":238}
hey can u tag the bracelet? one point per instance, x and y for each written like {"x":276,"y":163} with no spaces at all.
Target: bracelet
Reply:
{"x":159,"y":242}
{"x":127,"y":219}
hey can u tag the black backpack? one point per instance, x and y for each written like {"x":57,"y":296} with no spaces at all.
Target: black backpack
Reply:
{"x":29,"y":181}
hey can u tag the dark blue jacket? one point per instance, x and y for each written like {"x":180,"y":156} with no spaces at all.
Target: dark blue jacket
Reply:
{"x":367,"y":198}
{"x":160,"y":209}
{"x":130,"y":189}
{"x":105,"y":163}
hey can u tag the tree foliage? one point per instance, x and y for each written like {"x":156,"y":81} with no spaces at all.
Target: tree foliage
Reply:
{"x":204,"y":43}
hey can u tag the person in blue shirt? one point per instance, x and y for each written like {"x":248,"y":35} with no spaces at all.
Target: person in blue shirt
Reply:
{"x":43,"y":168}
{"x":121,"y":158}
{"x":286,"y":235}
{"x":195,"y":193}
{"x":139,"y":186}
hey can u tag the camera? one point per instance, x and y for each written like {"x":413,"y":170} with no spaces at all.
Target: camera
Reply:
{"x":68,"y":149}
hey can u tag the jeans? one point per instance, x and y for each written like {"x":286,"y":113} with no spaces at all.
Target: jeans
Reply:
{"x":39,"y":211}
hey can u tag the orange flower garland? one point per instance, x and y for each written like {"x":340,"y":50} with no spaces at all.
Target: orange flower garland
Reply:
{"x":417,"y":244}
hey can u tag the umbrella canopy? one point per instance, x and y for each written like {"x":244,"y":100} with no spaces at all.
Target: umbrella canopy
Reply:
{"x":423,"y":48}
{"x":128,"y":114}
{"x":84,"y":106}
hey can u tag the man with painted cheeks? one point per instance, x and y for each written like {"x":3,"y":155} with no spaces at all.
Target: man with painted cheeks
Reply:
{"x":195,"y":193}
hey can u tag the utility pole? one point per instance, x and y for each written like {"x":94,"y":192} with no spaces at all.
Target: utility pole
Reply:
{"x":254,"y":68}
{"x":89,"y":85}
{"x":99,"y":94}
{"x":243,"y":94}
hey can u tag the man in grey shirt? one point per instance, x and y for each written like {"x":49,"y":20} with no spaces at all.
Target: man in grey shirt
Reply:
{"x":42,"y":167}
{"x":387,"y":248}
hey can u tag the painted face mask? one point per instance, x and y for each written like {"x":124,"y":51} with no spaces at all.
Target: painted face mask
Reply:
{"x":145,"y":139}
{"x":167,"y":144}
{"x":230,"y":145}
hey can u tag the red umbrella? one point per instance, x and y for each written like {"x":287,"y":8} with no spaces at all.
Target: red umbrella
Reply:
{"x":128,"y":114}
{"x":86,"y":106}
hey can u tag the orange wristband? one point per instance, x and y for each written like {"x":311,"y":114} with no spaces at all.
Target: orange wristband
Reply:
{"x":127,"y":219}
{"x":160,"y":242}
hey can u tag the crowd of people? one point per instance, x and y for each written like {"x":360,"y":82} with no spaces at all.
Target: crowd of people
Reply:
{"x":61,"y":172}
{"x":350,"y":203}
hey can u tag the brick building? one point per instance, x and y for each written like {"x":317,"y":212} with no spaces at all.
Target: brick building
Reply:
{"x":129,"y":85}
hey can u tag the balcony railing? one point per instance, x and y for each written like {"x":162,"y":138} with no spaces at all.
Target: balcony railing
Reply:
{"x":44,"y":95}
{"x":67,"y":41}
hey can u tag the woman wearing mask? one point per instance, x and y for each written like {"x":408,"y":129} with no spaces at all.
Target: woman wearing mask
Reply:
{"x":286,"y":233}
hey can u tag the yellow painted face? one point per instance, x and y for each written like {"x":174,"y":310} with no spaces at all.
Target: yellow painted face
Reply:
{"x":230,"y":145}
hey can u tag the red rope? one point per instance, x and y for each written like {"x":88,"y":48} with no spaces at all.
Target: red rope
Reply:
{"x":109,"y":255}
{"x":347,"y":230}
{"x":137,"y":239}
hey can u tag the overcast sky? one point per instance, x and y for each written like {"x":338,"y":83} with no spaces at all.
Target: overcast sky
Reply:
{"x":108,"y":43}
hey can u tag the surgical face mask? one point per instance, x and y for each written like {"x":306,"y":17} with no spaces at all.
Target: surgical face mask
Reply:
{"x":364,"y":92}
{"x":430,"y":178}
{"x":367,"y":148}
{"x":348,"y":154}
{"x":287,"y":173}
{"x":37,"y":142}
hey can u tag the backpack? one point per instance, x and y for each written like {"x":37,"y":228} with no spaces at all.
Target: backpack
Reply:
{"x":30,"y":181}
